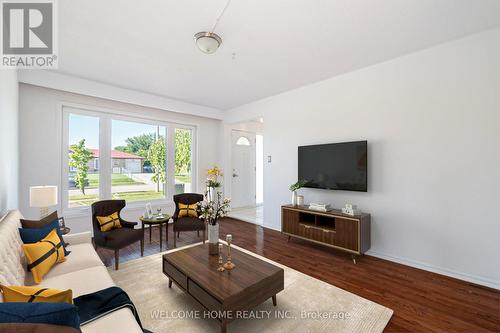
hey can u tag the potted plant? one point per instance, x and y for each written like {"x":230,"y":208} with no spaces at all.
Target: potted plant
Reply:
{"x":294,"y":187}
{"x":211,"y":210}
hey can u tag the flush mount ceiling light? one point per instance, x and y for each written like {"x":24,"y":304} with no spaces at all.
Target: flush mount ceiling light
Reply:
{"x":209,"y":42}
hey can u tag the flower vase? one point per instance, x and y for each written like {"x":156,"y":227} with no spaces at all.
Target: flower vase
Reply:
{"x":210,"y":191}
{"x":213,"y":239}
{"x":294,"y":198}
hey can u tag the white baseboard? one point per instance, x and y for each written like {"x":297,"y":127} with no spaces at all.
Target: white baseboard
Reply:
{"x":431,"y":268}
{"x":439,"y":270}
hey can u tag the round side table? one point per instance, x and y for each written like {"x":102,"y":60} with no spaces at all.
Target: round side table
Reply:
{"x":156,"y":220}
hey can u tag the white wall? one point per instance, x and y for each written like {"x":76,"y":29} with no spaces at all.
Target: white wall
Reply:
{"x":8,"y":140}
{"x":40,"y":142}
{"x":432,"y":120}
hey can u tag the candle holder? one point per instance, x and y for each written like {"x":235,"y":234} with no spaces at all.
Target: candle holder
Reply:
{"x":221,"y":267}
{"x":229,"y":265}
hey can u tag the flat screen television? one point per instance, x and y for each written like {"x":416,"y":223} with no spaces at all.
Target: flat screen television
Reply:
{"x":335,"y":166}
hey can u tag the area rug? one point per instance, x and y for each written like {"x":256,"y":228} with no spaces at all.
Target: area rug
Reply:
{"x":305,"y":305}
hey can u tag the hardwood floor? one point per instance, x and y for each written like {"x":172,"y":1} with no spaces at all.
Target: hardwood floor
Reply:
{"x":422,"y":301}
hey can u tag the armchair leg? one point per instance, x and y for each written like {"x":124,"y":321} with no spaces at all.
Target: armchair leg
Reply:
{"x":203,"y":236}
{"x":198,"y":232}
{"x":117,"y":258}
{"x":142,"y":247}
{"x":175,"y":241}
{"x":178,"y":234}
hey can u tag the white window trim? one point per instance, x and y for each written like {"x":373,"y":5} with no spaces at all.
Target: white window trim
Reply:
{"x":106,"y":117}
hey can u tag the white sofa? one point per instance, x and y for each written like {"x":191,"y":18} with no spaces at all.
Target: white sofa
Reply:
{"x":82,"y":272}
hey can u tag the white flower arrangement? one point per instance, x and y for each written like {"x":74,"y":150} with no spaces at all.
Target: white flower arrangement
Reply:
{"x":212,"y":210}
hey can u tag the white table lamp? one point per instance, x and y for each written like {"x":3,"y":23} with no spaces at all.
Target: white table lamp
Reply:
{"x":43,"y":197}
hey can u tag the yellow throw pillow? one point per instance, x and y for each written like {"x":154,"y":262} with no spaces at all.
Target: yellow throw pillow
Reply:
{"x":188,"y":210}
{"x":36,"y":294}
{"x":44,"y":254}
{"x":109,"y":222}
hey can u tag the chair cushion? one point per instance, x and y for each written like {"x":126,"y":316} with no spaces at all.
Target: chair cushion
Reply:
{"x":41,"y":256}
{"x":188,"y":210}
{"x":107,"y":223}
{"x":33,"y":235}
{"x":35,"y":224}
{"x":36,"y":295}
{"x":118,"y":238}
{"x":45,"y":313}
{"x":189,"y":224}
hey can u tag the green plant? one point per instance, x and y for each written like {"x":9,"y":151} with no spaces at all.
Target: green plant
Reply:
{"x":139,"y":145}
{"x":298,"y":185}
{"x":79,"y":158}
{"x":212,"y":183}
{"x":182,"y":151}
{"x":157,"y":156}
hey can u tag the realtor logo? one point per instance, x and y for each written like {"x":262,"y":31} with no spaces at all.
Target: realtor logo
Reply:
{"x":29,"y":37}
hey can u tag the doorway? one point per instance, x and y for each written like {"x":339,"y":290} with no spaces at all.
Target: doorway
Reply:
{"x":247,"y":178}
{"x":243,"y":178}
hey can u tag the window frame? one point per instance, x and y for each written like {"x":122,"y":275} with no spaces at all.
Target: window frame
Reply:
{"x":106,"y":118}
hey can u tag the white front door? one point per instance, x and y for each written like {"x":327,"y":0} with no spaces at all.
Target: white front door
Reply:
{"x":243,"y":169}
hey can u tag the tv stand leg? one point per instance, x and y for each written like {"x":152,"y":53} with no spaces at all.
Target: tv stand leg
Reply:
{"x":354,"y":258}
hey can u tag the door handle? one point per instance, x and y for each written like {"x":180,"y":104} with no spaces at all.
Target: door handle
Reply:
{"x":235,"y":175}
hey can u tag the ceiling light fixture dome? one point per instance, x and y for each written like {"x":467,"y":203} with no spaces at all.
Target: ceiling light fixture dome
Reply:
{"x":207,"y":42}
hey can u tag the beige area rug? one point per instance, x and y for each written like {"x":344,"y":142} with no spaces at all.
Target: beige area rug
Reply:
{"x":305,"y":305}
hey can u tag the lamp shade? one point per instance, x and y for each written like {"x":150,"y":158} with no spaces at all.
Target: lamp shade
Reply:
{"x":43,"y":196}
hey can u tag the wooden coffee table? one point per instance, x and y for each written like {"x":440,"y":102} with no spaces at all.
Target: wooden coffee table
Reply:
{"x":249,"y":284}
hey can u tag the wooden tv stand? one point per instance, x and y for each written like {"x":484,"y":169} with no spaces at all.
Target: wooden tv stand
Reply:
{"x":332,"y":228}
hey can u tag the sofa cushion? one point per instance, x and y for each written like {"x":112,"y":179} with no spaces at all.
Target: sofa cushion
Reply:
{"x":33,"y":235}
{"x":82,"y":256}
{"x":46,"y":313}
{"x":12,"y":259}
{"x":35,"y":294}
{"x":36,"y":328}
{"x":82,"y":282}
{"x":35,"y":224}
{"x":41,"y":256}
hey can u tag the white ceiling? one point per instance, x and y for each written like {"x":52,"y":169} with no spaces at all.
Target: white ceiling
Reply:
{"x":279,"y":44}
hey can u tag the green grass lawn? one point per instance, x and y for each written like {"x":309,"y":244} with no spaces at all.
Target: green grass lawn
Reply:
{"x":82,"y":200}
{"x":87,"y":200}
{"x":139,"y":195}
{"x":117,"y":179}
{"x":183,"y":178}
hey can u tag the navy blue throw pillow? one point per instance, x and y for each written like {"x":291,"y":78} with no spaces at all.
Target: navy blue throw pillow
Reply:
{"x":30,"y":236}
{"x":63,"y":314}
